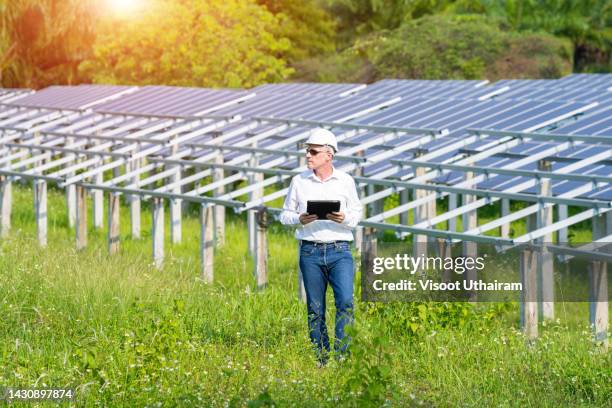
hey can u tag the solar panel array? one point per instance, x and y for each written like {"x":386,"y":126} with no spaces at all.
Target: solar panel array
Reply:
{"x":439,"y":122}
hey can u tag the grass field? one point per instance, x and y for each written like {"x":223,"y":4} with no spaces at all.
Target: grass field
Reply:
{"x":126,"y":334}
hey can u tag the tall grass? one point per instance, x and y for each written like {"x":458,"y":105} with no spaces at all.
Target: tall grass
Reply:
{"x":126,"y":334}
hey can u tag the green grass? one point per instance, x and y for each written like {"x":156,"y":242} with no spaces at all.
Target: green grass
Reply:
{"x":126,"y":334}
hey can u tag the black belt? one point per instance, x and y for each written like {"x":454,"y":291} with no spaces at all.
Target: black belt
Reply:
{"x":324,"y":243}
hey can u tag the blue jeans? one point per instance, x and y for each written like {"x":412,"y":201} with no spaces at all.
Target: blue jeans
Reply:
{"x":322,"y":264}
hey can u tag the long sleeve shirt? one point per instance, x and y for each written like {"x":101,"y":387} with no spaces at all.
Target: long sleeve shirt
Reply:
{"x":307,"y":186}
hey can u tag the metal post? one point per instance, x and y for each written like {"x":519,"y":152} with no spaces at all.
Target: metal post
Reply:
{"x":71,"y":204}
{"x":175,"y":220}
{"x":529,"y":295}
{"x":419,"y":242}
{"x":598,"y":288}
{"x":545,"y":264}
{"x":432,"y":212}
{"x":505,"y":210}
{"x":301,"y":158}
{"x":261,"y":249}
{"x":135,"y":203}
{"x":70,"y":190}
{"x":219,"y":209}
{"x":358,"y":232}
{"x":176,"y":205}
{"x":98,"y":201}
{"x":254,"y":178}
{"x":81,"y":217}
{"x":470,"y":221}
{"x":404,"y":197}
{"x":445,"y":251}
{"x":6,"y":203}
{"x":158,"y":231}
{"x":369,"y":251}
{"x":562,"y":237}
{"x":207,"y":242}
{"x":40,"y":208}
{"x":452,"y":204}
{"x":113,"y":222}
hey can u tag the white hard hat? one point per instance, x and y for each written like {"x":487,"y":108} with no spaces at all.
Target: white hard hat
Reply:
{"x":320,"y":136}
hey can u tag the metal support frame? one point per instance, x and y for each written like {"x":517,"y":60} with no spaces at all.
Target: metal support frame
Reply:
{"x":207,"y":242}
{"x":421,"y":213}
{"x":217,"y":177}
{"x":549,"y":137}
{"x":598,"y":288}
{"x":81,"y":217}
{"x":114,"y":207}
{"x":505,"y":171}
{"x":529,"y":304}
{"x":545,"y":258}
{"x":158,"y":232}
{"x":175,"y":206}
{"x":40,"y":210}
{"x":510,"y":195}
{"x":415,"y":143}
{"x":352,"y":126}
{"x":6,"y":205}
{"x":261,"y":249}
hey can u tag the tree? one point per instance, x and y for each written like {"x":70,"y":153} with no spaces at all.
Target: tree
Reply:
{"x":358,"y":17}
{"x":449,"y":47}
{"x":43,"y":42}
{"x":585,"y":22}
{"x":229,"y":43}
{"x":306,"y":24}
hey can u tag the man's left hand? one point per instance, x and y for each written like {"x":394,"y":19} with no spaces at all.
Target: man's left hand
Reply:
{"x":336,"y":216}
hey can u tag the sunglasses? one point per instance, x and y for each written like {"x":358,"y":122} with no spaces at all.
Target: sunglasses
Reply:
{"x":314,"y":152}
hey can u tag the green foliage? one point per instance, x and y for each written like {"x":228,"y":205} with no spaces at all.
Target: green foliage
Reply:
{"x":42,"y":42}
{"x":308,"y":26}
{"x":585,"y":22}
{"x":370,"y":376}
{"x":123,"y":333}
{"x":263,"y":400}
{"x":458,"y":47}
{"x":243,"y":43}
{"x":358,"y":17}
{"x":422,"y":318}
{"x":347,"y":66}
{"x":230,"y":43}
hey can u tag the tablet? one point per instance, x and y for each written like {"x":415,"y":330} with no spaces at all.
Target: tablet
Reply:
{"x":322,"y":207}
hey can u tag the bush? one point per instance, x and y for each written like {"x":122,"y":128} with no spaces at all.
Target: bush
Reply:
{"x":233,"y":43}
{"x":449,"y":47}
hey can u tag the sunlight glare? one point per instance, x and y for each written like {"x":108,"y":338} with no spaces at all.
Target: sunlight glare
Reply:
{"x":124,"y":7}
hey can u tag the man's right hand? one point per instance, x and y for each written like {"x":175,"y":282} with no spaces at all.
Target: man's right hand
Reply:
{"x":307,"y":219}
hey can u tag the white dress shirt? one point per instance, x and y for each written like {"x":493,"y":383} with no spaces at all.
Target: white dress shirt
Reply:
{"x":307,"y":186}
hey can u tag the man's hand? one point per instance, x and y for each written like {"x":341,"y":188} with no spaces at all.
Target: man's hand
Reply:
{"x":336,"y":216}
{"x":307,"y":218}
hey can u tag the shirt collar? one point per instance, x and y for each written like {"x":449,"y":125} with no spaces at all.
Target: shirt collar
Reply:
{"x":333,"y":175}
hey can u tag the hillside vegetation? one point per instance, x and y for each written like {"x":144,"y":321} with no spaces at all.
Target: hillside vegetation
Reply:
{"x":244,"y":43}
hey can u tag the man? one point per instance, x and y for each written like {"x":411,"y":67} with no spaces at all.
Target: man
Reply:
{"x":325,"y":255}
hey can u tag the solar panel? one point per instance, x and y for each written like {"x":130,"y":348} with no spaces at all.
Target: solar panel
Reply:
{"x":309,"y":89}
{"x":575,"y":104}
{"x":72,"y":97}
{"x":413,"y":88}
{"x":174,"y":101}
{"x":313,"y":107}
{"x":596,"y":122}
{"x":8,"y":95}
